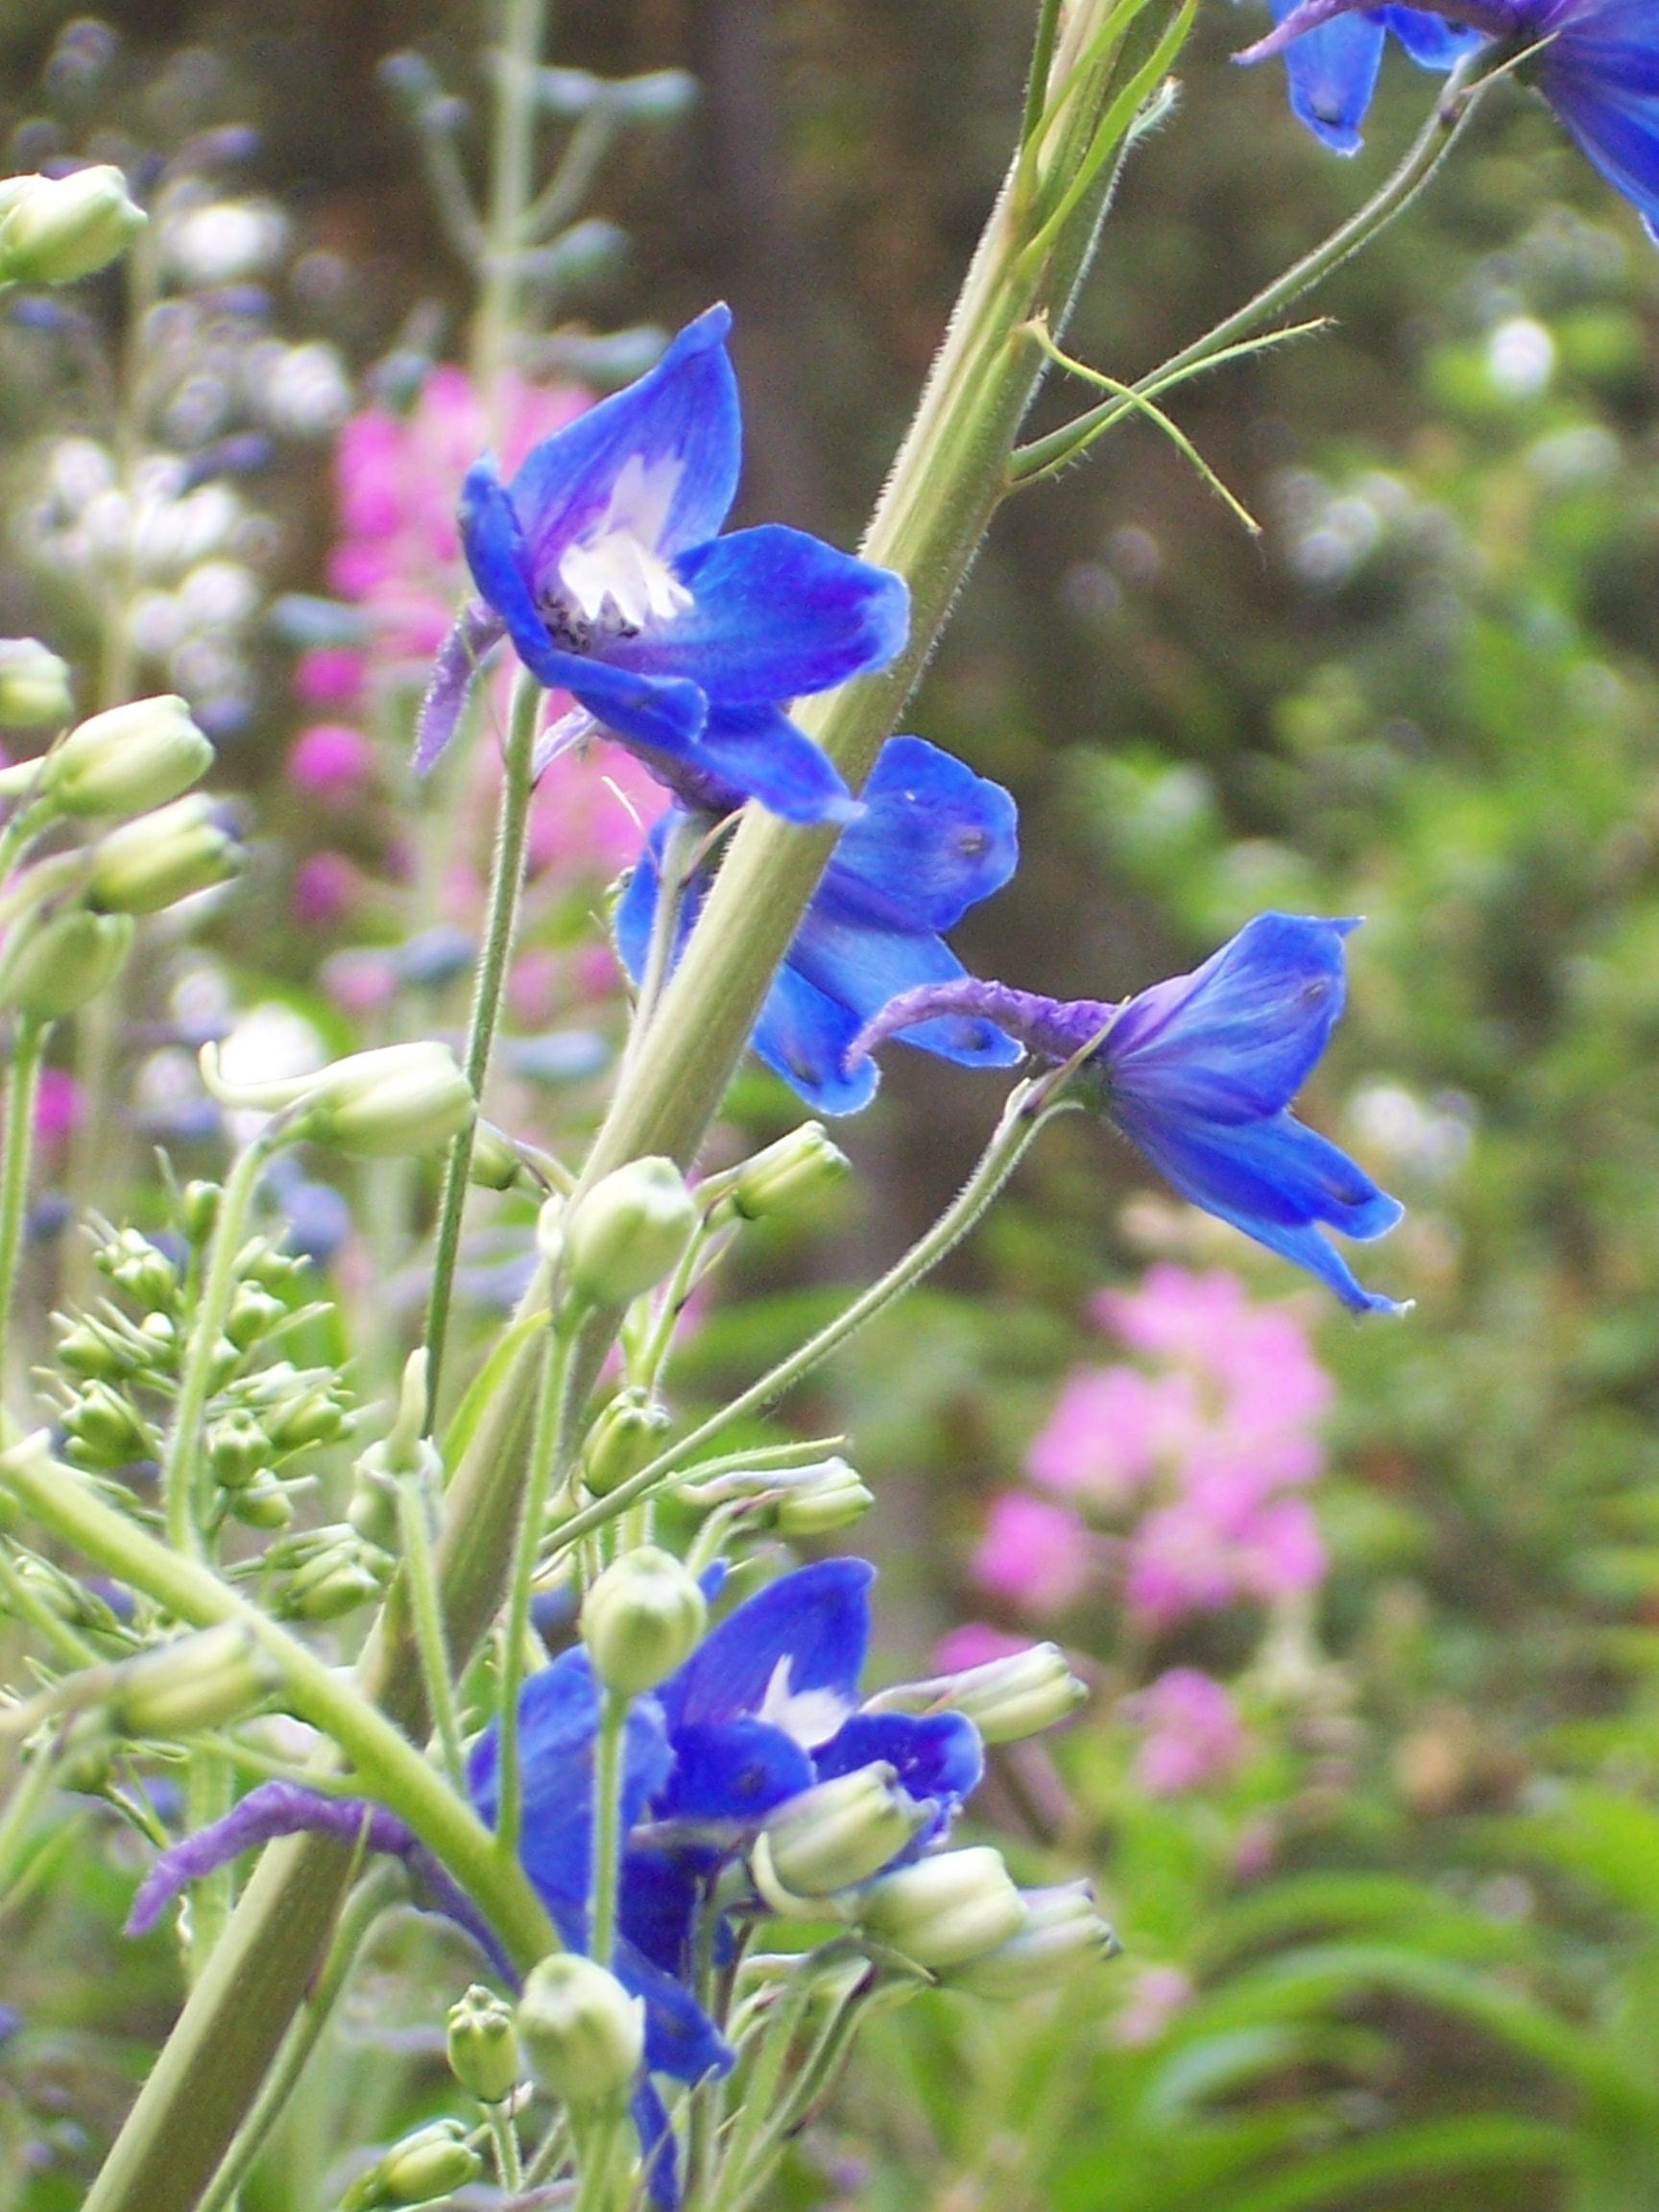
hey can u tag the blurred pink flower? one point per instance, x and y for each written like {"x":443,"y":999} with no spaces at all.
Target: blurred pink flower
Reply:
{"x":329,"y":758}
{"x":1157,"y":1998}
{"x":57,"y":1107}
{"x":1111,"y":1430}
{"x":1191,"y":1732}
{"x":329,"y":675}
{"x":1207,"y":1551}
{"x":324,"y":889}
{"x":1040,"y":1557}
{"x":975,"y":1643}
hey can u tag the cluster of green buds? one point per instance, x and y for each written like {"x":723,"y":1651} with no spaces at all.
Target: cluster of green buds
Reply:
{"x":324,"y":1574}
{"x":424,"y":2168}
{"x":813,"y":1499}
{"x":53,"y":229}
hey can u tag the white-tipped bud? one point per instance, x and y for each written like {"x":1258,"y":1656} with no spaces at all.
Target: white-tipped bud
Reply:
{"x":397,"y":1100}
{"x":944,"y":1910}
{"x":202,"y":1681}
{"x":483,"y":2046}
{"x":424,"y":2168}
{"x":834,"y":1834}
{"x":816,"y":1500}
{"x":1006,"y":1698}
{"x":127,"y":759}
{"x":1061,"y":1934}
{"x":161,"y":857}
{"x":57,"y":229}
{"x":625,"y":1433}
{"x":626,"y":1233}
{"x":583,"y":2035}
{"x":33,"y":685}
{"x":57,"y":963}
{"x":791,"y":1173}
{"x":640,"y":1619}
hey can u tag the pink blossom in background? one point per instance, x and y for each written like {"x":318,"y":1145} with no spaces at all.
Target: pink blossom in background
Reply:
{"x":1192,"y":1734}
{"x":975,"y":1644}
{"x":329,"y":758}
{"x":1039,"y":1556}
{"x":1158,"y":1997}
{"x":592,"y":812}
{"x":325,"y":889}
{"x":57,"y":1107}
{"x":1110,"y":1430}
{"x":329,"y":675}
{"x":1207,"y":1551}
{"x":1173,"y":1313}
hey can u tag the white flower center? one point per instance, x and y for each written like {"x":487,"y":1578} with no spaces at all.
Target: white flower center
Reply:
{"x":806,"y":1717}
{"x":614,"y":572}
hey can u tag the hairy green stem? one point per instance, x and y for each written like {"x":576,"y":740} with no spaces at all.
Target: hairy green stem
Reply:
{"x":207,"y":1798}
{"x":426,"y":1614}
{"x":605,"y":1874}
{"x":28,"y":1049}
{"x":512,"y":182}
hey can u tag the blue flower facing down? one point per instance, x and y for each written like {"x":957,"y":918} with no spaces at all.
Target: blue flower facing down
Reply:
{"x":1199,"y":1072}
{"x":933,"y":839}
{"x":602,"y":562}
{"x":1596,"y":66}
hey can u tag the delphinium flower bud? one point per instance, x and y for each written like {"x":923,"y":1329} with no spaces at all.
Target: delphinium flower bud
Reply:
{"x":1006,"y":1698}
{"x":127,"y":759}
{"x":834,"y":1834}
{"x":429,"y":2164}
{"x":624,"y":1436}
{"x":253,"y":1313}
{"x":626,"y":1233}
{"x":94,"y":1353}
{"x":103,"y":1431}
{"x":139,"y":1268}
{"x":297,"y":1406}
{"x":263,"y":1504}
{"x":944,"y":1910}
{"x":161,"y":857}
{"x":58,"y":962}
{"x":327,"y":1573}
{"x":397,"y":1100}
{"x":483,"y":2046}
{"x":56,"y":229}
{"x":818,"y":1500}
{"x":497,"y":1163}
{"x":33,"y":685}
{"x":1061,"y":1934}
{"x":238,"y":1449}
{"x":583,"y":2035}
{"x":790,"y":1173}
{"x":640,"y":1619}
{"x":201,"y":1681}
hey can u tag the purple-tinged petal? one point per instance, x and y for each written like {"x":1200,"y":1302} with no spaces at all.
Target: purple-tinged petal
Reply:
{"x":272,"y":1810}
{"x":677,"y":428}
{"x":658,"y":1905}
{"x":864,"y":968}
{"x":804,"y":1035}
{"x":790,"y":1655}
{"x":1431,"y":42}
{"x":937,"y":1758}
{"x":1053,"y":1028}
{"x":934,"y":840}
{"x":758,"y":752}
{"x":1614,"y":123}
{"x":476,"y":632}
{"x":681,"y":2040}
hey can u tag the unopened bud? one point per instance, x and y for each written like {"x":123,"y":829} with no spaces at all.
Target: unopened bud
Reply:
{"x":238,"y":1449}
{"x":340,"y":1574}
{"x":140,"y":1268}
{"x":253,"y":1313}
{"x":944,"y":1910}
{"x":161,"y":857}
{"x":95,"y":1354}
{"x":202,"y":1681}
{"x":33,"y":685}
{"x":1061,"y":1934}
{"x":584,"y":2036}
{"x":659,"y":96}
{"x":199,"y":1209}
{"x":397,"y":1100}
{"x":127,"y":759}
{"x":483,"y":2046}
{"x":628,"y":1232}
{"x":263,"y":1504}
{"x":640,"y":1619}
{"x":1005,"y":1698}
{"x":834,"y":1834}
{"x":625,"y":1434}
{"x":791,"y":1173}
{"x":103,"y":1428}
{"x":57,"y":229}
{"x":431,"y":2163}
{"x":58,"y":963}
{"x":309,"y":1419}
{"x":816,"y":1500}
{"x":497,"y":1161}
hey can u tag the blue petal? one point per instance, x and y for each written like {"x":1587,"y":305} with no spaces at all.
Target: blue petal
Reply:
{"x":758,"y":752}
{"x":866,"y":969}
{"x":733,"y":1770}
{"x":938,"y":1759}
{"x":667,"y":714}
{"x":682,"y":414}
{"x":681,"y":2040}
{"x":933,"y":839}
{"x":1615,"y":125}
{"x":658,"y":2151}
{"x":808,"y":1631}
{"x":1431,"y":42}
{"x":1333,"y":73}
{"x":804,"y":1037}
{"x":475,"y":631}
{"x":1274,"y":1179}
{"x":1236,"y":1039}
{"x":657,"y":1906}
{"x":774,"y":613}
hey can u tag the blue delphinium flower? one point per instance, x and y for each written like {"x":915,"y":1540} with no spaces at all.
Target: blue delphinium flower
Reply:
{"x":933,"y":839}
{"x":1198,"y":1073}
{"x":603,"y":564}
{"x":1596,"y":66}
{"x":765,"y":1707}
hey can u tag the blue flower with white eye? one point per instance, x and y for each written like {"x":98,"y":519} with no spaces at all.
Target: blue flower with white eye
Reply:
{"x":602,"y":562}
{"x":1199,"y":1072}
{"x":934,"y":840}
{"x":1596,"y":66}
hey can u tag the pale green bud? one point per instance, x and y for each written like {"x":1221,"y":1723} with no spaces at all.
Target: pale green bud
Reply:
{"x":33,"y":685}
{"x":640,"y":1619}
{"x":397,"y":1100}
{"x":103,"y":1428}
{"x":483,"y":2046}
{"x":140,"y":1268}
{"x":57,"y":229}
{"x":625,"y":1235}
{"x":253,"y":1313}
{"x":834,"y":1834}
{"x":1006,"y":1698}
{"x":199,"y":1209}
{"x":238,"y":1449}
{"x":1061,"y":1934}
{"x":263,"y":1504}
{"x":497,"y":1162}
{"x":625,"y":1434}
{"x":311,"y":1418}
{"x":161,"y":857}
{"x":58,"y":963}
{"x":791,"y":1173}
{"x":202,"y":1681}
{"x":127,"y":759}
{"x":944,"y":1910}
{"x":95,"y":1354}
{"x":430,"y":2164}
{"x":584,"y":2036}
{"x":337,"y":1574}
{"x":816,"y":1500}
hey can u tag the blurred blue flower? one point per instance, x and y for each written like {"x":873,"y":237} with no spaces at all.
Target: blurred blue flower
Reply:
{"x":1199,"y":1072}
{"x":1332,"y":70}
{"x":602,"y":564}
{"x":934,"y":840}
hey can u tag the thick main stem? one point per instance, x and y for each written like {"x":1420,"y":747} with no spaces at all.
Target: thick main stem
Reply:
{"x":28,"y":1047}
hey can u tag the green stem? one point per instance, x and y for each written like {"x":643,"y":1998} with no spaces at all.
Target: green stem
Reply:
{"x":24,"y":1604}
{"x":605,"y":1873}
{"x":549,"y":1462}
{"x":427,"y":1617}
{"x":27,"y":1798}
{"x":506,"y":882}
{"x":512,"y":178}
{"x":680,"y":852}
{"x":766,"y":2076}
{"x":504,"y":2142}
{"x":27,"y":817}
{"x":207,"y":1798}
{"x":28,"y":1049}
{"x":58,"y":1497}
